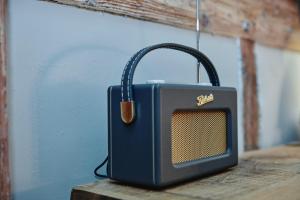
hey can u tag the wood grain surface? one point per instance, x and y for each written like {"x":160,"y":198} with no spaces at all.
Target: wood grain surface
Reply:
{"x":268,"y":174}
{"x":274,"y":23}
{"x":250,"y":112}
{"x":4,"y":158}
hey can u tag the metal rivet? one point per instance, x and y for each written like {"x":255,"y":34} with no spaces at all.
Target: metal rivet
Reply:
{"x":246,"y":25}
{"x":90,"y":2}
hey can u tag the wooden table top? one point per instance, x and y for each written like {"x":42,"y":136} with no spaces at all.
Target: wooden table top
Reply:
{"x":265,"y":174}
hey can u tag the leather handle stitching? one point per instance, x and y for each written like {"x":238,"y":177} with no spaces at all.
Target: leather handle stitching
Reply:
{"x":136,"y":57}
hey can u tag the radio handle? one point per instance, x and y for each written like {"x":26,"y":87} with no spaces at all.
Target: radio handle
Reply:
{"x":127,"y":103}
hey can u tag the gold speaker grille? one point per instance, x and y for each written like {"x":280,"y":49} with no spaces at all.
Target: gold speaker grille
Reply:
{"x":197,"y":135}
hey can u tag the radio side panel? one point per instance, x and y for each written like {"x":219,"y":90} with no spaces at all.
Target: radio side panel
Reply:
{"x":131,"y":147}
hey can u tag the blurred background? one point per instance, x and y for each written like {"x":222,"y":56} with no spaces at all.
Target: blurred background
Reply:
{"x":63,"y":55}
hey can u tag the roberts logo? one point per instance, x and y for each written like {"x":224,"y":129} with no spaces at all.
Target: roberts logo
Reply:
{"x":203,"y":99}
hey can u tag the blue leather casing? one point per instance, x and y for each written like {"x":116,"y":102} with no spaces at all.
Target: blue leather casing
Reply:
{"x":140,"y":152}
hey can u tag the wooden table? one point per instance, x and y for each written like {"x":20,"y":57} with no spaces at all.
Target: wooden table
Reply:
{"x":269,"y":174}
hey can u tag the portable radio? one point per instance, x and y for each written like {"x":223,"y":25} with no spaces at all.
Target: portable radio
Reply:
{"x":161,"y":134}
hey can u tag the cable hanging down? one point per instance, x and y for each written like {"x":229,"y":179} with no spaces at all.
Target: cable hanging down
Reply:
{"x":99,"y":167}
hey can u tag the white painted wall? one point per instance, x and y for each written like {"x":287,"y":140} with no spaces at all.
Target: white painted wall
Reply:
{"x":62,"y":59}
{"x":278,"y":74}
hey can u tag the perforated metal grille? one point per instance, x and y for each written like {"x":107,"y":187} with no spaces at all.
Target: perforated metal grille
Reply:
{"x":197,"y":135}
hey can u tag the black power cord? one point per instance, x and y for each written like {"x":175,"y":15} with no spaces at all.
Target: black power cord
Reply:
{"x":98,"y":167}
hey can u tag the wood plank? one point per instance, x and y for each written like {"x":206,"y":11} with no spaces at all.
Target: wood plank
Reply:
{"x":273,"y":23}
{"x":4,"y":159}
{"x":250,"y":112}
{"x":264,"y":174}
